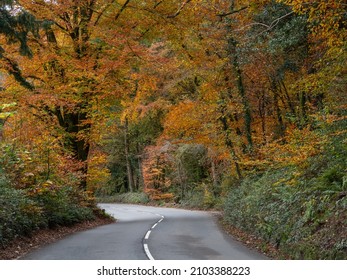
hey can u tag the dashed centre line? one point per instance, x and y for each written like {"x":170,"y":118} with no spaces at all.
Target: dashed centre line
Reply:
{"x":147,"y":234}
{"x":145,"y":245}
{"x":148,"y":253}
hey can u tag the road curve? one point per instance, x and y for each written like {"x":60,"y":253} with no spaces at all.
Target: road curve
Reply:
{"x":143,"y":232}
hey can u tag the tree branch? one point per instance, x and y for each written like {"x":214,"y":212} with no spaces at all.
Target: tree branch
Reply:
{"x":157,"y":4}
{"x":122,"y":9}
{"x":102,"y":12}
{"x":268,"y":27}
{"x":132,"y":50}
{"x":233,"y":12}
{"x":273,"y":23}
{"x":13,"y":69}
{"x":179,"y":10}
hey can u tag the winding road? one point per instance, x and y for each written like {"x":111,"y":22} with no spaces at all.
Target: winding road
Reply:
{"x":143,"y":232}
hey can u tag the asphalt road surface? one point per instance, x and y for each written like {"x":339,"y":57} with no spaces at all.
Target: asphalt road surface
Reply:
{"x":143,"y":232}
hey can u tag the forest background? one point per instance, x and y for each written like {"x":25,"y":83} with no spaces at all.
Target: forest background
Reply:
{"x":232,"y":105}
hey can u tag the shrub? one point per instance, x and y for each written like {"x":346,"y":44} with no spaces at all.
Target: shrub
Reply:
{"x":37,"y":206}
{"x":304,"y":216}
{"x":200,"y":197}
{"x":19,"y":215}
{"x":60,"y":209}
{"x":130,"y":198}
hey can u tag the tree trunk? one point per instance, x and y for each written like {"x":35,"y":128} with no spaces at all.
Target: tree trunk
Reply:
{"x":234,"y":62}
{"x":2,"y":122}
{"x":286,"y":93}
{"x":141,"y":179}
{"x":303,"y":111}
{"x":74,"y":121}
{"x":80,"y":147}
{"x":280,"y":124}
{"x":180,"y":177}
{"x":230,"y":146}
{"x":213,"y":173}
{"x":130,"y":175}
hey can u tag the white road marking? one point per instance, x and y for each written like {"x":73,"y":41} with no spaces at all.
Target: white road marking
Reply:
{"x":145,"y":245}
{"x":147,"y":234}
{"x":148,"y":253}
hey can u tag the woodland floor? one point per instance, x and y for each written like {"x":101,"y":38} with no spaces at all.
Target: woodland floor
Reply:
{"x":252,"y":241}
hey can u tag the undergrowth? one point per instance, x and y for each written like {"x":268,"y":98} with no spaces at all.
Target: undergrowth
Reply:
{"x":35,"y":204}
{"x":301,"y":210}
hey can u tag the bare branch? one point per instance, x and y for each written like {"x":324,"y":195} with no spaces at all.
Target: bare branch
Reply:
{"x":180,"y":9}
{"x":268,"y":27}
{"x":132,"y":51}
{"x":233,"y":12}
{"x":275,"y":23}
{"x":253,"y":24}
{"x":121,"y":9}
{"x":101,"y":13}
{"x":157,"y":4}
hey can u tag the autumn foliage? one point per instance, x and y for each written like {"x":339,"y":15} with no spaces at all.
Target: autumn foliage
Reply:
{"x":181,"y":100}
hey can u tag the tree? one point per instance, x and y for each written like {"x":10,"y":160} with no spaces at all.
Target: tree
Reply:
{"x":16,"y":25}
{"x":233,"y":76}
{"x":327,"y":18}
{"x":89,"y":51}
